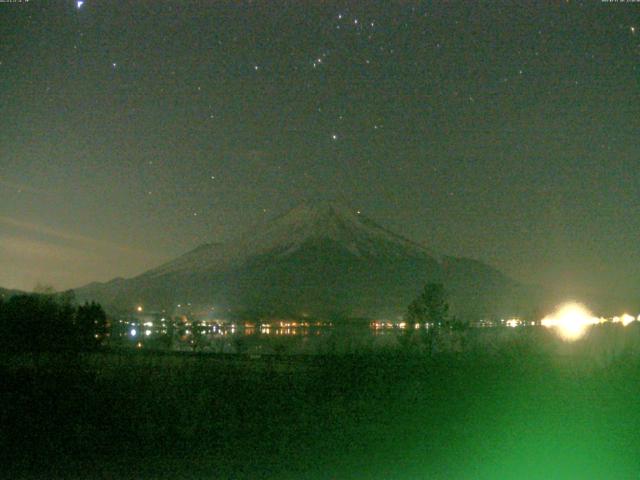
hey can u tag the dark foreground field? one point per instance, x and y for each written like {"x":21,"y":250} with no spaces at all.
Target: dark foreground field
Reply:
{"x":515,"y":416}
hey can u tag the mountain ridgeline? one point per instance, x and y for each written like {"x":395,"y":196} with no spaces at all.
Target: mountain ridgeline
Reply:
{"x":321,"y":260}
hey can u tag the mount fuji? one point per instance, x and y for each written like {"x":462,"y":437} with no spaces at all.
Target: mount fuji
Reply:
{"x":320,"y":259}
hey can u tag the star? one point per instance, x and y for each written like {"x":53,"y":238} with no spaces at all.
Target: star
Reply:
{"x":334,"y":136}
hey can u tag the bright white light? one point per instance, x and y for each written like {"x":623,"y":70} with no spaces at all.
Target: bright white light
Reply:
{"x":79,"y":4}
{"x":570,"y":320}
{"x":147,"y":332}
{"x":133,"y":332}
{"x":139,"y":308}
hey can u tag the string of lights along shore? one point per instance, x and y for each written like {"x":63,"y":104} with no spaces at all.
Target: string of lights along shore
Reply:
{"x":504,"y":132}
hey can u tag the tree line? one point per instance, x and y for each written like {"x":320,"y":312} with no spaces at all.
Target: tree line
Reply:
{"x":54,"y":322}
{"x":50,"y":323}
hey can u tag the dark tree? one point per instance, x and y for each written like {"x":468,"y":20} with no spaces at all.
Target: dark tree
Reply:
{"x":36,"y":323}
{"x":429,"y":307}
{"x":429,"y":310}
{"x":91,"y":325}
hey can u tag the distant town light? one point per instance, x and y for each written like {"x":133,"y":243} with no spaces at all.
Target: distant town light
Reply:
{"x":139,"y":308}
{"x":147,"y":332}
{"x":133,"y":332}
{"x":513,"y":322}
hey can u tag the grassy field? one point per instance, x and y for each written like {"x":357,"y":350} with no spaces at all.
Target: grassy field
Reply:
{"x":516,"y":415}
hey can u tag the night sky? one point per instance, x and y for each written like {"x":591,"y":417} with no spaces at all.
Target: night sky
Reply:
{"x":134,"y":131}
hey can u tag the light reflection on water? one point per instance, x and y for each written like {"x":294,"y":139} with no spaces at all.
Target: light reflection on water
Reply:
{"x":602,"y":342}
{"x":275,"y":339}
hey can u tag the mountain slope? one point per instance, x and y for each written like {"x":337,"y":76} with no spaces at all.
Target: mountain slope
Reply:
{"x":320,"y":259}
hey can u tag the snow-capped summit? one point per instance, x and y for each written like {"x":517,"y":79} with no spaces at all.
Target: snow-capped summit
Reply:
{"x":325,"y":220}
{"x":306,"y":223}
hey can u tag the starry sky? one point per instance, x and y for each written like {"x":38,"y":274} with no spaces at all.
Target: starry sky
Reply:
{"x":503,"y":131}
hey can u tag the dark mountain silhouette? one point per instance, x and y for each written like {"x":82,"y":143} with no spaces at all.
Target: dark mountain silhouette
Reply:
{"x":319,"y":259}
